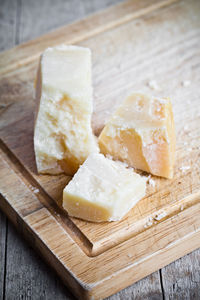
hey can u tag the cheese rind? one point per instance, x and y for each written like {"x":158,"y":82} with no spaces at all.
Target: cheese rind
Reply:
{"x":102,"y":190}
{"x":141,"y":133}
{"x":63,"y":136}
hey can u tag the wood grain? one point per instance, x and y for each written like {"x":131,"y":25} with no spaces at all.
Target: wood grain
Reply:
{"x":148,"y":288}
{"x":182,"y":282}
{"x":7,"y":36}
{"x":8,"y":24}
{"x":27,"y":279}
{"x":17,"y":89}
{"x":60,"y":13}
{"x":73,"y":33}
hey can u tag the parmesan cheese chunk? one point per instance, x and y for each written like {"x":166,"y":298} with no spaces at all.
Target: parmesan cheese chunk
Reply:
{"x":141,"y":133}
{"x":63,"y":136}
{"x":102,"y":190}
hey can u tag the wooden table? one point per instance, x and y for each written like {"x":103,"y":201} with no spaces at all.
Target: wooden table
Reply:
{"x":24,"y":275}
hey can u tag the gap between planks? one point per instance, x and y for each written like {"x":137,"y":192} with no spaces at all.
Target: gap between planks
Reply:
{"x":161,"y":284}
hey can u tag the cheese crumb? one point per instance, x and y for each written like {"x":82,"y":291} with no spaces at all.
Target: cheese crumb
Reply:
{"x":154,"y":85}
{"x":152,"y":182}
{"x":160,"y":216}
{"x":186,"y":83}
{"x":184,"y":168}
{"x":149,"y":222}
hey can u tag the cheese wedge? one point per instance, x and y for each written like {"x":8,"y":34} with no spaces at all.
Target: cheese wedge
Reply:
{"x":141,"y":133}
{"x":63,"y":136}
{"x":102,"y":190}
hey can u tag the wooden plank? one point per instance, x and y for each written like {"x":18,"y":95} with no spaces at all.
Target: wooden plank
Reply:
{"x":3,"y":240}
{"x":76,"y":32}
{"x":181,"y":280}
{"x":148,"y":288}
{"x":60,"y":13}
{"x":8,"y":24}
{"x":7,"y":38}
{"x":26,"y":276}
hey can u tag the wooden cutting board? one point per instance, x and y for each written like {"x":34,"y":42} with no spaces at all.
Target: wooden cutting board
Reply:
{"x":148,"y":45}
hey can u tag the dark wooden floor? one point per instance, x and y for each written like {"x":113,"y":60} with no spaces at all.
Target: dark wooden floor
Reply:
{"x":23,"y":274}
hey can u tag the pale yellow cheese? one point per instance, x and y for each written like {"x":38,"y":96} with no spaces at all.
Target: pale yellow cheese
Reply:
{"x":141,"y":133}
{"x":102,"y":190}
{"x":63,"y":136}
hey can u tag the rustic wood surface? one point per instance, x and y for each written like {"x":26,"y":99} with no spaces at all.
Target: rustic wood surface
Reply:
{"x":23,"y":274}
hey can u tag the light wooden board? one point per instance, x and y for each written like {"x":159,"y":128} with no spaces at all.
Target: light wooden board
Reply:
{"x":121,"y":64}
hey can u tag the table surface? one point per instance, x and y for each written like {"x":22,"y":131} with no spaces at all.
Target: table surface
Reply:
{"x":23,"y":274}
